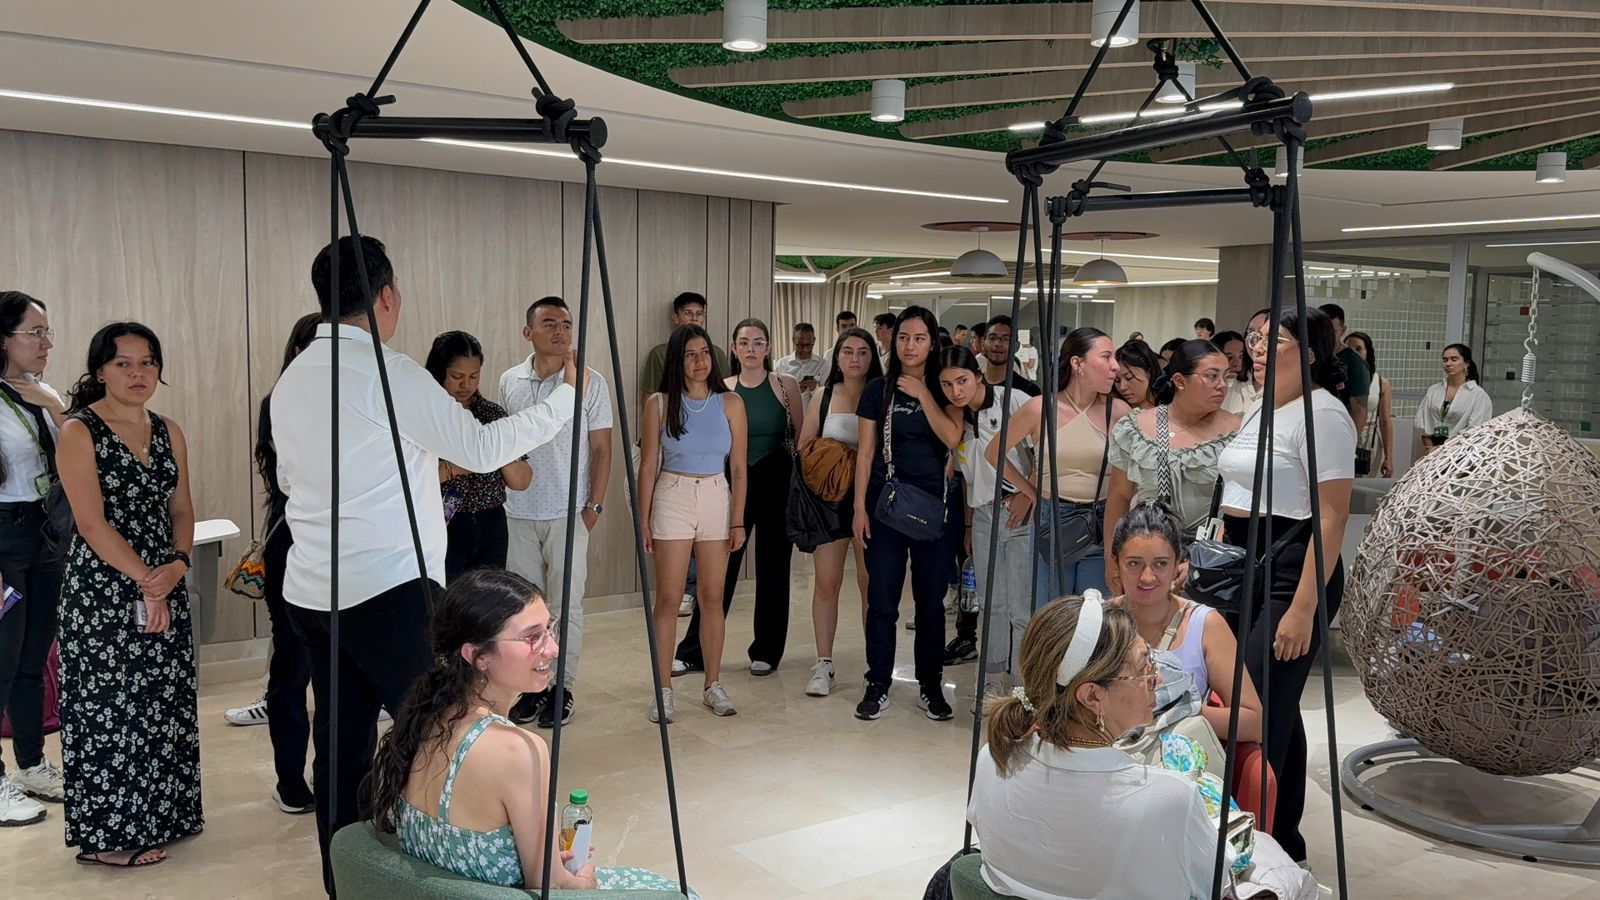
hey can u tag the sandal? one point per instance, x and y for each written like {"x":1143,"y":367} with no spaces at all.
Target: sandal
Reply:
{"x":93,"y":859}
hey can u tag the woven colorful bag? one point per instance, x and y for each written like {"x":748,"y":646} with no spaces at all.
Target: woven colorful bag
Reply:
{"x":249,"y":577}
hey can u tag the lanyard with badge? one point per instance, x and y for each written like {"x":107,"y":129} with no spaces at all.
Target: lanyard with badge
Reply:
{"x":41,"y":483}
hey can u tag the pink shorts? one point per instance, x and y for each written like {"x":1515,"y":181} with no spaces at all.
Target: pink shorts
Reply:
{"x":689,"y":508}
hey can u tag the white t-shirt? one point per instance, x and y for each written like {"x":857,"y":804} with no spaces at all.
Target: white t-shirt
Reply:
{"x":1291,"y":486}
{"x":1028,"y":361}
{"x":969,"y":453}
{"x":1091,"y":823}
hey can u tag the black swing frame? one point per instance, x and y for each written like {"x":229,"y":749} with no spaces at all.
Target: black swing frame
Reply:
{"x":557,"y":122}
{"x":1265,"y":108}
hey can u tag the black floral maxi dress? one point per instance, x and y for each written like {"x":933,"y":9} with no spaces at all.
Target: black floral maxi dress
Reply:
{"x":130,"y":739}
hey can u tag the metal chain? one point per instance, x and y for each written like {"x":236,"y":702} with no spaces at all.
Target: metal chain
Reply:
{"x":1529,"y":359}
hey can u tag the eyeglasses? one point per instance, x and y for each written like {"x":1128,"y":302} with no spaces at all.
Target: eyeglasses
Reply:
{"x":1149,"y":674}
{"x":748,"y":344}
{"x":1255,"y":340}
{"x":534,"y":639}
{"x":39,"y":332}
{"x":1213,"y":378}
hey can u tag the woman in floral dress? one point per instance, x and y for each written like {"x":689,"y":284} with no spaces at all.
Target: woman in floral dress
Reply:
{"x":130,"y":741}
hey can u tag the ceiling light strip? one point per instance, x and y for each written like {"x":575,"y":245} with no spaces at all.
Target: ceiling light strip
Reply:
{"x":1103,"y":118}
{"x":505,"y":148}
{"x":1527,"y":220}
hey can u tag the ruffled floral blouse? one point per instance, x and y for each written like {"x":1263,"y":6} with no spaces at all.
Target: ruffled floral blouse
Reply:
{"x":1193,"y":470}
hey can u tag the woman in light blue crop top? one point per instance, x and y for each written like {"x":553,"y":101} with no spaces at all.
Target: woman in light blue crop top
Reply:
{"x":1144,"y":547}
{"x":481,"y":813}
{"x":693,"y":430}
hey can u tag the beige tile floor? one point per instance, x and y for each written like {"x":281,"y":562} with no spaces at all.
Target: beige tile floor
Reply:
{"x":791,"y":798}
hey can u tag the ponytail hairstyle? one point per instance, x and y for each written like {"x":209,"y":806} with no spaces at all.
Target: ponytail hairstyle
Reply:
{"x":300,"y":337}
{"x":1466,"y":354}
{"x":1008,"y":723}
{"x":1327,"y":371}
{"x":733,"y":358}
{"x":1149,"y":518}
{"x":1077,"y":346}
{"x":673,"y":381}
{"x":1185,"y":360}
{"x":102,"y":351}
{"x":476,"y":607}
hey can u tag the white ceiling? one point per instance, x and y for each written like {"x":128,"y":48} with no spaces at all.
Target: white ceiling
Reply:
{"x":289,"y":59}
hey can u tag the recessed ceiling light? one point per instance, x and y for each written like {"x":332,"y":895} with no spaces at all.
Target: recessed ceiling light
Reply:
{"x":918,"y":275}
{"x":1527,"y":220}
{"x":505,"y":148}
{"x":799,"y":277}
{"x":874,"y":296}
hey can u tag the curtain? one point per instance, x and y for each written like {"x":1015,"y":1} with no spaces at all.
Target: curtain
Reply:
{"x":818,"y":304}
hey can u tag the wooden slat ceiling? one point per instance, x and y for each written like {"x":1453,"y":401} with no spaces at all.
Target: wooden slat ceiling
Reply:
{"x":1526,"y":72}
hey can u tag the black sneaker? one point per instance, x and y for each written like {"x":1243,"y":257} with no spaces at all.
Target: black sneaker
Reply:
{"x":547,"y":715}
{"x":529,"y":706}
{"x":874,"y":703}
{"x":960,"y":650}
{"x":931,"y":698}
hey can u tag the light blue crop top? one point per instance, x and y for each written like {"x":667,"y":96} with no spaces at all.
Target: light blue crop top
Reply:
{"x":706,"y":440}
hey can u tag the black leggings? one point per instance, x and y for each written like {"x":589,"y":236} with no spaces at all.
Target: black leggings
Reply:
{"x":288,"y":676}
{"x":1285,"y":741}
{"x":27,"y":631}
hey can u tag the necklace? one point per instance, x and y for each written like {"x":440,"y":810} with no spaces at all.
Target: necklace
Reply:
{"x":687,"y":404}
{"x":1087,"y":743}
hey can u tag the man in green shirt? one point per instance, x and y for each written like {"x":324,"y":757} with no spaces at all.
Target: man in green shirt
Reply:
{"x":1357,"y":380}
{"x":688,"y":308}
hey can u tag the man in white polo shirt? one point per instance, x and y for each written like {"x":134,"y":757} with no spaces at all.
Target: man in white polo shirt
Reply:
{"x":537,"y":517}
{"x":384,"y":601}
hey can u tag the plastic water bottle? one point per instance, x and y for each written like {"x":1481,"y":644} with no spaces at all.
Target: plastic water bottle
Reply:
{"x":969,"y":586}
{"x":577,"y":827}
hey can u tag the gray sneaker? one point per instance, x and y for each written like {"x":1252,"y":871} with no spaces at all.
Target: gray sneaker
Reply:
{"x":685,"y":606}
{"x":17,"y":808}
{"x":716,"y":698}
{"x":666,"y":704}
{"x":821,"y":679}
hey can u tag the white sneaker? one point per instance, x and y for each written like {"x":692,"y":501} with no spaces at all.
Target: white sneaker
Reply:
{"x":43,"y":781}
{"x":17,"y":808}
{"x":252,"y":714}
{"x":758,"y":667}
{"x":666,"y":704}
{"x":685,"y":606}
{"x":821,"y":679}
{"x":716,"y":699}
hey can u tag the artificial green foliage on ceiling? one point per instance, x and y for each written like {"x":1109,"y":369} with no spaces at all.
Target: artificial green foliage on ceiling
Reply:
{"x":651,"y":63}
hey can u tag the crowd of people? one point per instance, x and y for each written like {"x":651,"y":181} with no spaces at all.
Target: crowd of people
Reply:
{"x":1103,"y":478}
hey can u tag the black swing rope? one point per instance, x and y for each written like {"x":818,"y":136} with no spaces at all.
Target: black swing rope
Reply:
{"x":335,"y":132}
{"x":1287,"y":237}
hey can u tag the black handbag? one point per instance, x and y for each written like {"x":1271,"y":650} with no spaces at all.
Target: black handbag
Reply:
{"x":808,"y":521}
{"x":906,"y":508}
{"x":1079,"y":527}
{"x":1217,"y":569}
{"x":59,"y":526}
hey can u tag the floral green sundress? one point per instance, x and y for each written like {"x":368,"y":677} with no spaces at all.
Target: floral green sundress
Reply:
{"x":491,"y":856}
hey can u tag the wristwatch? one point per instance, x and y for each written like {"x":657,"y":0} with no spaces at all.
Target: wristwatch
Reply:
{"x":595,"y":508}
{"x":180,"y":556}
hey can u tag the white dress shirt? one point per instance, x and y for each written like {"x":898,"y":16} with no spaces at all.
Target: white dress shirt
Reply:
{"x":1090,"y":824}
{"x":25,"y":462}
{"x":546,"y":498}
{"x":375,"y":552}
{"x":815,"y":367}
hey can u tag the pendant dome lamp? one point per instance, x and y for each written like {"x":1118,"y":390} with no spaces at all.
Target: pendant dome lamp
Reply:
{"x":1105,"y":13}
{"x":1100,"y":272}
{"x":744,"y":25}
{"x":979,"y":263}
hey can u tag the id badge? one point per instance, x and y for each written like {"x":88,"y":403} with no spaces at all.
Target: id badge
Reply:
{"x":41,"y":484}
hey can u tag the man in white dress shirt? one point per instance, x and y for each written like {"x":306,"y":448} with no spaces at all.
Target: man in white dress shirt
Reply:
{"x":804,"y":364}
{"x":537,"y":517}
{"x":384,"y":601}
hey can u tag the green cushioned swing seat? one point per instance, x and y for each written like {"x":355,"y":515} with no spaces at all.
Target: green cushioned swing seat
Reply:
{"x":966,"y":880}
{"x":368,"y":865}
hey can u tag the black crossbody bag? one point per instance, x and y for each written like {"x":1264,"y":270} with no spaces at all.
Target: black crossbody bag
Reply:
{"x":1217,"y":569}
{"x":906,"y":508}
{"x":1079,"y":526}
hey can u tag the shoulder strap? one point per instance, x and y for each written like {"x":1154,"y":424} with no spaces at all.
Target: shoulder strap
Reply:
{"x":776,"y":383}
{"x":1164,"y":439}
{"x":39,"y":428}
{"x":467,"y":740}
{"x":1172,"y":626}
{"x":1105,"y":453}
{"x":888,"y":417}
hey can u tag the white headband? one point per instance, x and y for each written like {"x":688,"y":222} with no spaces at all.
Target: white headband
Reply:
{"x":1084,"y":639}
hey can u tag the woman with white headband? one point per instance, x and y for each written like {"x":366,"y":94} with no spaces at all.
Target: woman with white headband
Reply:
{"x":1063,"y":814}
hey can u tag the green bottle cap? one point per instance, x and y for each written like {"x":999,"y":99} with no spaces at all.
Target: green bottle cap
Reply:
{"x":579,"y":798}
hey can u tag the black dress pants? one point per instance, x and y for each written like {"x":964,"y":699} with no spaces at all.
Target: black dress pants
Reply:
{"x":889,"y":554}
{"x":766,"y":501}
{"x":288,"y":676}
{"x":1281,"y":683}
{"x":383,"y":649}
{"x":477,"y":540}
{"x":27,"y":631}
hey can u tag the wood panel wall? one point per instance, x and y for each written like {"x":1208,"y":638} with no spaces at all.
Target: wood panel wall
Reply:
{"x":213,"y":250}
